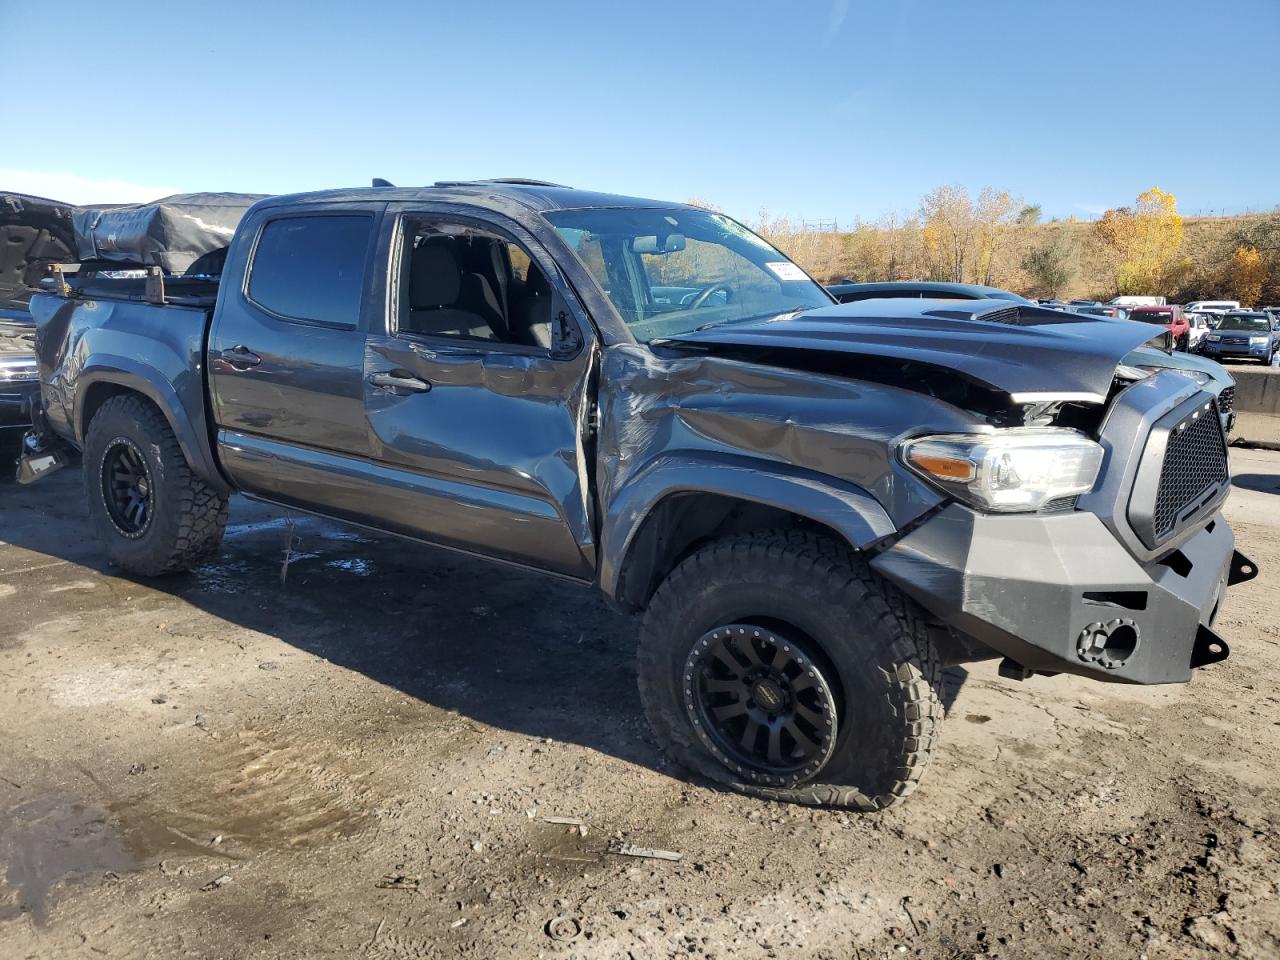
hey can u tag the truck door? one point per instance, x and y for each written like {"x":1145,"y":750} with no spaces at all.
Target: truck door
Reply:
{"x":286,"y":353}
{"x":477,"y":395}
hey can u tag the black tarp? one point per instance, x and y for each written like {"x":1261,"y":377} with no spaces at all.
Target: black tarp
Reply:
{"x":171,"y":233}
{"x":33,"y":231}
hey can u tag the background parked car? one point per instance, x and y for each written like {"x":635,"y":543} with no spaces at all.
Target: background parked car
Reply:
{"x":1244,"y":335}
{"x":33,"y":231}
{"x":1137,"y":301}
{"x":919,"y":289}
{"x":1103,"y":310}
{"x":1171,"y":317}
{"x":1200,"y":327}
{"x":1212,"y":306}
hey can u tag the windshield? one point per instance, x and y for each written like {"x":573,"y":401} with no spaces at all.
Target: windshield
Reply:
{"x":1244,"y":323}
{"x":1151,"y":316}
{"x":670,"y":271}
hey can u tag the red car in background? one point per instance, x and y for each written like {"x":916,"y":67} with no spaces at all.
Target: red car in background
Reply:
{"x":1172,"y":318}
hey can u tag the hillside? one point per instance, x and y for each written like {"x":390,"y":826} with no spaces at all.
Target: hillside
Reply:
{"x":1200,"y":268}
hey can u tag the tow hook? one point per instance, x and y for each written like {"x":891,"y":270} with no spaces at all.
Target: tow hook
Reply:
{"x":1242,"y":569}
{"x":1209,"y":647}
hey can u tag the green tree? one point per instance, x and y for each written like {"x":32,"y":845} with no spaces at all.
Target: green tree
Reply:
{"x":1052,"y":264}
{"x":1029,"y":215}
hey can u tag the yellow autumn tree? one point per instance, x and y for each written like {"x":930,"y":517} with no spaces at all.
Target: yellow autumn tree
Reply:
{"x":1143,"y":240}
{"x":950,"y":222}
{"x":1246,"y":273}
{"x":994,"y":213}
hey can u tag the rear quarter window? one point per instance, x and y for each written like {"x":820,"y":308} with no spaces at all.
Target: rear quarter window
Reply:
{"x":312,"y":268}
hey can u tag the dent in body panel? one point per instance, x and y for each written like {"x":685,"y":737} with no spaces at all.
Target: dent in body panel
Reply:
{"x":506,"y":421}
{"x":157,"y":351}
{"x":807,"y":443}
{"x":460,"y":515}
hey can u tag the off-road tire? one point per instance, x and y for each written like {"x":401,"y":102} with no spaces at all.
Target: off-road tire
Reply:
{"x":187,"y":516}
{"x":887,"y":675}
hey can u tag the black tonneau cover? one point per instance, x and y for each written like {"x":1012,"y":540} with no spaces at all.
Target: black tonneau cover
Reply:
{"x":172,"y":233}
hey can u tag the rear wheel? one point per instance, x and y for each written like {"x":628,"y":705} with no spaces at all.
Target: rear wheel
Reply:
{"x":779,"y":664}
{"x":153,"y":514}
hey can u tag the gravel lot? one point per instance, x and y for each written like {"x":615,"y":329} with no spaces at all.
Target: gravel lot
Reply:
{"x":355,"y":757}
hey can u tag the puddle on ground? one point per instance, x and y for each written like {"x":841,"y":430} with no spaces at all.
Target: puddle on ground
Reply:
{"x":361,"y":568}
{"x":256,"y":791}
{"x":52,"y":840}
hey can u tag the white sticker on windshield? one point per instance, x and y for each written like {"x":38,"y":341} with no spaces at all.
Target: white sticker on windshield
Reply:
{"x":786,"y":271}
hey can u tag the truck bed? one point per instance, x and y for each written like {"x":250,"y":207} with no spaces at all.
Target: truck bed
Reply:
{"x":88,"y":348}
{"x":180,"y":291}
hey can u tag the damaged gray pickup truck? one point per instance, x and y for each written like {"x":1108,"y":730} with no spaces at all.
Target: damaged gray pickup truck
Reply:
{"x":816,"y":507}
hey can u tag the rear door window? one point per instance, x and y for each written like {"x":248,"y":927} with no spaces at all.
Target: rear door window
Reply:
{"x":312,"y":268}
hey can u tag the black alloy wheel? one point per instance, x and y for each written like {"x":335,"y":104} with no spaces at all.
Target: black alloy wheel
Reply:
{"x":760,"y":703}
{"x":127,"y":487}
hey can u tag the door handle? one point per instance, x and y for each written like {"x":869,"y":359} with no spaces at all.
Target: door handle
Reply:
{"x":240,"y":356}
{"x":398,"y":381}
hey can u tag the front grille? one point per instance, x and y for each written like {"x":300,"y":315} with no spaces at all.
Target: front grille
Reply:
{"x":1195,"y":466}
{"x":1060,"y":505}
{"x":1227,"y":400}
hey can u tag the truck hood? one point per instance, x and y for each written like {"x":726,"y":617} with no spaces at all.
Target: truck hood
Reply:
{"x":1023,"y":350}
{"x":34,"y":231}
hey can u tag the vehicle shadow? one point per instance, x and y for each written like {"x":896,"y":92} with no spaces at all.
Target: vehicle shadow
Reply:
{"x":1261,"y":482}
{"x":511,"y":649}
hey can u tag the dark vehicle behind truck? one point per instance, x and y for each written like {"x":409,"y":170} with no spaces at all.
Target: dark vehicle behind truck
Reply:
{"x":814,"y":506}
{"x":34,"y":231}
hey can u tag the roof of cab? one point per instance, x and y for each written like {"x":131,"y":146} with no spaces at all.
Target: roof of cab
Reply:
{"x":539,"y":197}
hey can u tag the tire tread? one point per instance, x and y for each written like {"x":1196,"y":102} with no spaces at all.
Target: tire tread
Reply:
{"x":906,"y":658}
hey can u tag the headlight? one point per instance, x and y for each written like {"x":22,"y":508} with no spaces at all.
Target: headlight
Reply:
{"x":1199,"y":376}
{"x":1258,"y":341}
{"x":1215,"y":337}
{"x":1016,"y":470}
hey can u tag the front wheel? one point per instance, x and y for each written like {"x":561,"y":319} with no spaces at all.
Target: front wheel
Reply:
{"x":778,"y":664}
{"x":153,"y":514}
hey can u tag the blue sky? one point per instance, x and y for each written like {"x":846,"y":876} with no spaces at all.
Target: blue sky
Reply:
{"x":822,"y":109}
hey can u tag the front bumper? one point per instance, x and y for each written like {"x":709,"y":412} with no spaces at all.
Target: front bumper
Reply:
{"x":15,"y":403}
{"x":1242,"y":352}
{"x":1062,"y":594}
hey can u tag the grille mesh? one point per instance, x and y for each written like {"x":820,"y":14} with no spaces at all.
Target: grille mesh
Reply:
{"x":1194,"y":460}
{"x":1002,"y":315}
{"x":1227,"y":400}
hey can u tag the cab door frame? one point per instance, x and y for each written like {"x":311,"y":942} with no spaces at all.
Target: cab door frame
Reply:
{"x":496,"y":456}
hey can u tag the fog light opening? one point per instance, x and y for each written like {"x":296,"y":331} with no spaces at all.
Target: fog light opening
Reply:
{"x":1108,"y":643}
{"x":1121,"y":643}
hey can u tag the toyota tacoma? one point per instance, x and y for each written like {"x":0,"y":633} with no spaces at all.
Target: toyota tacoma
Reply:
{"x":813,"y":507}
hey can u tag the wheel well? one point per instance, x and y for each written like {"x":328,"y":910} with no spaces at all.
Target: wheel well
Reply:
{"x":683,"y":522}
{"x":98,"y":394}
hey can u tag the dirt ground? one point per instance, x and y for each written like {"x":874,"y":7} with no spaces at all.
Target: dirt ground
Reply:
{"x":354,"y":758}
